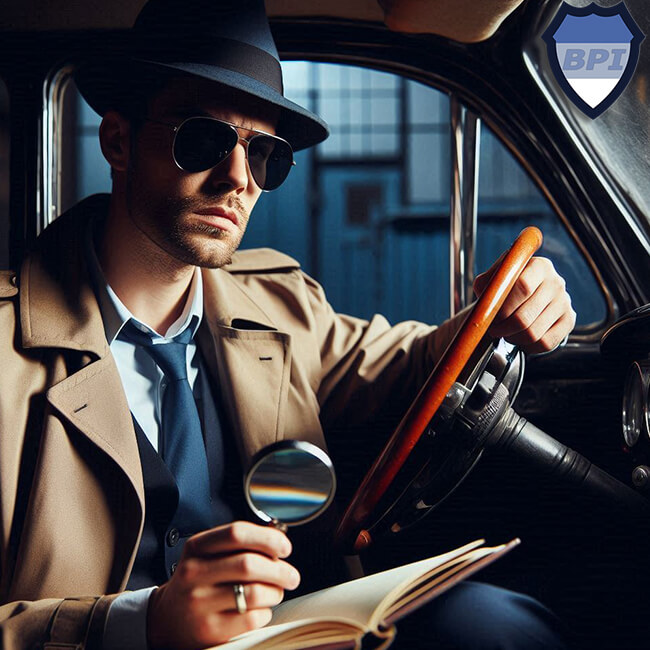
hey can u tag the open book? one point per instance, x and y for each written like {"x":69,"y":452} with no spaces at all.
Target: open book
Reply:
{"x":339,"y":617}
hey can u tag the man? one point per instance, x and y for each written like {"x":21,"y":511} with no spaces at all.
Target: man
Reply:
{"x":138,"y":351}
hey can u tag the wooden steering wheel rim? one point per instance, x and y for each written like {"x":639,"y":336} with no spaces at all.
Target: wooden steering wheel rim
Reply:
{"x":414,"y":423}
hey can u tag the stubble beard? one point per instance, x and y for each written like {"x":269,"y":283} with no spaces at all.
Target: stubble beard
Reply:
{"x":169,"y":222}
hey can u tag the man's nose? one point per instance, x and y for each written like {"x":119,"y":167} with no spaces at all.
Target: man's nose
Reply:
{"x":233,"y":170}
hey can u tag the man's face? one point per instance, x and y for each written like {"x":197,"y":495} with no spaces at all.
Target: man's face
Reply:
{"x":196,"y":218}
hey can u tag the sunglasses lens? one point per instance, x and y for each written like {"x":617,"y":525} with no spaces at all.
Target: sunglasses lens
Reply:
{"x":202,"y":143}
{"x":270,"y":161}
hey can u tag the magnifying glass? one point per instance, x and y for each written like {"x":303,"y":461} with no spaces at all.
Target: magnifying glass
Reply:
{"x":289,"y":483}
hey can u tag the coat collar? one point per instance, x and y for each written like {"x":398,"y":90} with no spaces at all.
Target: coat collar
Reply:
{"x":58,"y":308}
{"x":227,"y":303}
{"x":58,"y":305}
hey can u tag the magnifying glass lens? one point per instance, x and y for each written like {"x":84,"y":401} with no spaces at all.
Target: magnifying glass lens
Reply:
{"x":290,"y":483}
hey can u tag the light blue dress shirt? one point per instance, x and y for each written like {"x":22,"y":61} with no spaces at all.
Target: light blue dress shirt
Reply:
{"x":144,"y":385}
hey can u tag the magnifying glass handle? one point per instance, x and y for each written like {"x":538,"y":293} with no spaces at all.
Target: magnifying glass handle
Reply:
{"x":279,"y":525}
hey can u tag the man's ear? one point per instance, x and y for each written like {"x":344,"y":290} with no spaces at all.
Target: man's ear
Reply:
{"x":115,"y":140}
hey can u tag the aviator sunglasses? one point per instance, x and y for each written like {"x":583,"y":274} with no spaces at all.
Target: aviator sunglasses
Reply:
{"x":201,"y":143}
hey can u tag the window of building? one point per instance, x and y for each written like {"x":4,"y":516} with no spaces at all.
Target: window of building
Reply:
{"x":428,"y":140}
{"x":361,"y":107}
{"x":4,"y":176}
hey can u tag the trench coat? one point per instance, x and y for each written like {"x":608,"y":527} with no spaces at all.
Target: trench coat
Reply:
{"x":71,"y":487}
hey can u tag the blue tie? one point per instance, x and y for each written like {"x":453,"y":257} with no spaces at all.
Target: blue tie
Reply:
{"x":183,"y":449}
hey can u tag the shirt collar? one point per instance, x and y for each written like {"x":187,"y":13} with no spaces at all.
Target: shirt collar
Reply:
{"x":114,"y":312}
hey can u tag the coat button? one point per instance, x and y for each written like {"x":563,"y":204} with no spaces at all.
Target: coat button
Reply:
{"x":173,"y":536}
{"x":172,"y":568}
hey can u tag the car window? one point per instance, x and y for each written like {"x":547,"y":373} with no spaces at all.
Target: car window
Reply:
{"x":508,"y":201}
{"x":84,"y":170}
{"x":4,"y":176}
{"x":367,"y":211}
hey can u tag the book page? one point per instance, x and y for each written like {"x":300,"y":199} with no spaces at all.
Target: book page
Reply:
{"x":358,"y":599}
{"x":330,"y":633}
{"x":434,"y":584}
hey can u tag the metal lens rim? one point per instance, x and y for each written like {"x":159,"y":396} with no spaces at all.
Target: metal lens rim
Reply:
{"x":284,"y":445}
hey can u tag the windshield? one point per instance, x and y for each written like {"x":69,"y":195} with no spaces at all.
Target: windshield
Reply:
{"x":618,"y":140}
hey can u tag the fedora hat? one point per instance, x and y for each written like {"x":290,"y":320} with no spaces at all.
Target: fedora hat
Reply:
{"x":225,"y":41}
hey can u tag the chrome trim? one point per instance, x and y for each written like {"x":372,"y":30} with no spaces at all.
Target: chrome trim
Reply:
{"x":465,"y":129}
{"x":49,"y":203}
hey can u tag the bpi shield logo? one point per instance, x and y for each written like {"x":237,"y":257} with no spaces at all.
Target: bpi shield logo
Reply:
{"x":593,"y":52}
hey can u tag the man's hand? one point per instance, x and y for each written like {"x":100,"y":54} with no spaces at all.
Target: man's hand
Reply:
{"x":196,"y":607}
{"x":537,"y":315}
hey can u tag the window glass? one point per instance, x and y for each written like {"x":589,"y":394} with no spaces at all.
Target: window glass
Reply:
{"x":508,"y":201}
{"x":84,"y":168}
{"x":358,"y":211}
{"x":4,"y":176}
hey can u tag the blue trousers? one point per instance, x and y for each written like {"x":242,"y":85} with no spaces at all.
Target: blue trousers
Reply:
{"x":477,"y":616}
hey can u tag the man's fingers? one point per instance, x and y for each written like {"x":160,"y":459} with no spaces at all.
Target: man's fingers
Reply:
{"x":221,"y":598}
{"x":197,"y":606}
{"x":538,"y":274}
{"x":553,"y":336}
{"x":239,"y":567}
{"x":519,"y":314}
{"x":538,"y":330}
{"x":537,"y":314}
{"x":239,"y":536}
{"x":542,"y":332}
{"x":200,"y":593}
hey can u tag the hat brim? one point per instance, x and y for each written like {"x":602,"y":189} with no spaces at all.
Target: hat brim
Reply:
{"x":102,"y":84}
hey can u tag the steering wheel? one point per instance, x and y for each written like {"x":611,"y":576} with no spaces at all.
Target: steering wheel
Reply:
{"x":464,"y":406}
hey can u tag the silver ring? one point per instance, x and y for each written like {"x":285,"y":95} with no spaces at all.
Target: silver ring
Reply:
{"x":240,"y":598}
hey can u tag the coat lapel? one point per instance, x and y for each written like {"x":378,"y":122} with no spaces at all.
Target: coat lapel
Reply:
{"x":93,"y":400}
{"x":59,"y":311}
{"x":249,"y":358}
